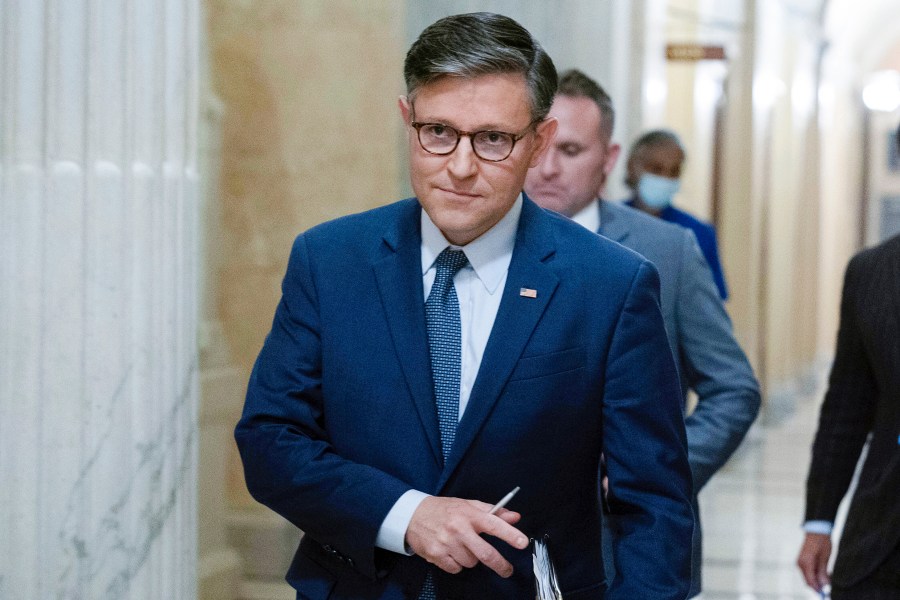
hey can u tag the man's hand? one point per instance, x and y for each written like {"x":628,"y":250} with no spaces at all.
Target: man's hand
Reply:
{"x":813,"y":560}
{"x":445,"y":532}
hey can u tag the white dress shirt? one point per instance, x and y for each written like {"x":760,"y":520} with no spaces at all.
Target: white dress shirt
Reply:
{"x":589,"y":216}
{"x":479,"y":288}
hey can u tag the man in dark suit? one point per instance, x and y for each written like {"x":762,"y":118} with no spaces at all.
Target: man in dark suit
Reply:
{"x":862,"y":402}
{"x":570,"y":179}
{"x":430,"y":355}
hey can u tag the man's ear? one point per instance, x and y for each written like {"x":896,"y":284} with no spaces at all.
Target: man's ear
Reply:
{"x":612,"y":157}
{"x":405,"y":110}
{"x":544,"y":134}
{"x":609,"y":163}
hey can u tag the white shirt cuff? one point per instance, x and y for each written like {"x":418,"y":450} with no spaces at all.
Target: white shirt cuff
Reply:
{"x":823,"y":527}
{"x":392,"y":533}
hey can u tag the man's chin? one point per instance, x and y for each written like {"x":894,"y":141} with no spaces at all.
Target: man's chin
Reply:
{"x":552,"y":202}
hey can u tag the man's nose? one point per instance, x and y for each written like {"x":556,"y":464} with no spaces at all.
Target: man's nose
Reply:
{"x":463,"y":161}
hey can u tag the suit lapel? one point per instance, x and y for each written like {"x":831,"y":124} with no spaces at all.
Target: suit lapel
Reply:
{"x":517,"y":317}
{"x":611,"y":226}
{"x":398,"y":271}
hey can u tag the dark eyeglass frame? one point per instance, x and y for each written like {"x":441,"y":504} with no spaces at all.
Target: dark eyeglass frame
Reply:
{"x":417,"y":125}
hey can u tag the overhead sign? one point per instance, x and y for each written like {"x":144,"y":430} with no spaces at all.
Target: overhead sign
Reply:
{"x":690,"y":52}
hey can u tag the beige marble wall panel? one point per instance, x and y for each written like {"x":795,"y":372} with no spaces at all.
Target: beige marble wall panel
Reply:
{"x":310,"y":130}
{"x":741,"y":209}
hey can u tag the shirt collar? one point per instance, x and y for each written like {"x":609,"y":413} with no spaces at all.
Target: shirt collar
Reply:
{"x":589,"y":216}
{"x":489,"y":254}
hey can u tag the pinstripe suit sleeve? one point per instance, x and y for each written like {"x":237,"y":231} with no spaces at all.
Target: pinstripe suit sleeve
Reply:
{"x":848,"y":410}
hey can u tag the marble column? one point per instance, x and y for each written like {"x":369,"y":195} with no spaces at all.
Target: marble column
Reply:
{"x":98,"y":326}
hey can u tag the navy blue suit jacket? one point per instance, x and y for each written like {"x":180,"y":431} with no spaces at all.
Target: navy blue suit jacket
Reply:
{"x":340,"y":420}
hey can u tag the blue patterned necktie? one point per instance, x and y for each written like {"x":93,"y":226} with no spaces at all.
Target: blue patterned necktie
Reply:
{"x":445,"y":348}
{"x":444,"y":343}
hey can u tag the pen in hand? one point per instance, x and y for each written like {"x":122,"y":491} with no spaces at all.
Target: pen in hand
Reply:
{"x":503,"y":501}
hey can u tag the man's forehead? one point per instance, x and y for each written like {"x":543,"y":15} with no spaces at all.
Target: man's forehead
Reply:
{"x":577,"y":109}
{"x":485,"y":100}
{"x":577,"y":119}
{"x":660,"y":151}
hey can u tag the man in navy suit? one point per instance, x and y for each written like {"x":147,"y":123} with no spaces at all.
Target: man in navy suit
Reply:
{"x":545,"y":345}
{"x":570,"y":179}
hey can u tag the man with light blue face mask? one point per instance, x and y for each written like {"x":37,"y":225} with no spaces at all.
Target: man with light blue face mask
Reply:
{"x":654,"y":168}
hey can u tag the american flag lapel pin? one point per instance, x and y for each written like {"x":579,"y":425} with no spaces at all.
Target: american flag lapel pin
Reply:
{"x":527,"y":293}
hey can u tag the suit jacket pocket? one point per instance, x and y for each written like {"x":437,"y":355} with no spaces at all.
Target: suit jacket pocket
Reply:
{"x":309,"y":574}
{"x":552,"y":363}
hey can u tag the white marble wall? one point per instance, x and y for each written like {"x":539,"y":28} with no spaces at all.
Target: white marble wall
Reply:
{"x":98,"y":264}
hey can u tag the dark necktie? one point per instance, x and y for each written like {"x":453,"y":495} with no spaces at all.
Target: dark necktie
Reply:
{"x":444,"y":343}
{"x":445,"y":347}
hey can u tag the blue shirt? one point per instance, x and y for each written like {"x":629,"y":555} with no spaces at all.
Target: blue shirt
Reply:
{"x":706,"y":238}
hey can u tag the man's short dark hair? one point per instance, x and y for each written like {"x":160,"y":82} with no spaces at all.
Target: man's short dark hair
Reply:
{"x":576,"y":84}
{"x":475,"y":44}
{"x":655,"y":137}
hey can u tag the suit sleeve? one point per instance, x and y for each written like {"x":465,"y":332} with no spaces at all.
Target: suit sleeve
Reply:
{"x":645,"y":449}
{"x":289,"y":464}
{"x":847,"y":412}
{"x":714,"y":366}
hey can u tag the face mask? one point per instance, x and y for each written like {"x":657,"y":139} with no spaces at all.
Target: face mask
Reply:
{"x":657,"y":192}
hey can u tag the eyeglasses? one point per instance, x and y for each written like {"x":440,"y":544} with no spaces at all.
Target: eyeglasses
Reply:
{"x":492,"y":146}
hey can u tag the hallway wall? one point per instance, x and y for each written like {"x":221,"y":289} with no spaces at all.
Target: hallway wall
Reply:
{"x":755,"y":170}
{"x":99,"y":264}
{"x":854,"y":168}
{"x":301,"y":126}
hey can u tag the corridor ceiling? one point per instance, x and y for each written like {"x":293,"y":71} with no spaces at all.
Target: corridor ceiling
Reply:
{"x":866,"y":30}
